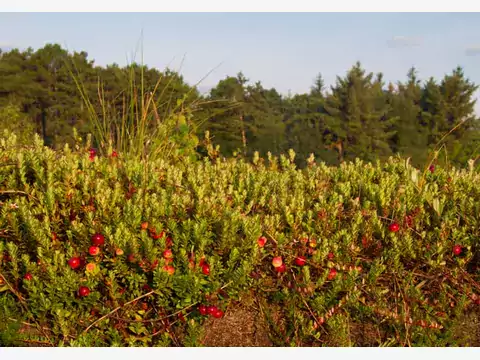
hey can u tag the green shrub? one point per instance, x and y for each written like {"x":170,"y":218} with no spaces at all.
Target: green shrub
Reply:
{"x":11,"y":119}
{"x":407,"y":286}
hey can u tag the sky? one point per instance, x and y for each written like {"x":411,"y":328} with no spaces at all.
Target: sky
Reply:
{"x":282,"y":50}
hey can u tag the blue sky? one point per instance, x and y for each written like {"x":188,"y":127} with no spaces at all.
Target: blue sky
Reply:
{"x":282,"y":50}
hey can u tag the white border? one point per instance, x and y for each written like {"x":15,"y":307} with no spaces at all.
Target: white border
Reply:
{"x":237,"y":353}
{"x":235,"y":6}
{"x":240,"y":6}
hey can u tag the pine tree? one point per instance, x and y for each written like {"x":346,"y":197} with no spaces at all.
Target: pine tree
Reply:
{"x":410,"y":139}
{"x":358,"y":117}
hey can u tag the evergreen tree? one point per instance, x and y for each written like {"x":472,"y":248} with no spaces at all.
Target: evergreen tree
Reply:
{"x":410,"y":137}
{"x":358,"y":119}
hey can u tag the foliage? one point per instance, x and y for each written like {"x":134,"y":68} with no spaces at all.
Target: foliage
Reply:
{"x":360,"y":116}
{"x":410,"y":286}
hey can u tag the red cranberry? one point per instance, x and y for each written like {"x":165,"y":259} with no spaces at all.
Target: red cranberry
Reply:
{"x":28,"y":276}
{"x":203,"y":310}
{"x":300,"y":261}
{"x":217,"y":314}
{"x":211,"y":309}
{"x":330,"y":255}
{"x":394,"y":227}
{"x":457,"y":250}
{"x":332,"y":274}
{"x":83,"y":291}
{"x":94,"y":250}
{"x":281,"y":269}
{"x":169,"y":269}
{"x":74,"y":263}
{"x":167,"y":254}
{"x":206,"y":269}
{"x":261,"y":241}
{"x":98,"y":239}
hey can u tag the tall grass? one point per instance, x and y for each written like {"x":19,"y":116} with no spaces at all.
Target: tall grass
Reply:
{"x":140,"y":130}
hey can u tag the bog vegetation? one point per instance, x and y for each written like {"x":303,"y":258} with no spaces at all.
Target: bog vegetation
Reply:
{"x":149,"y":234}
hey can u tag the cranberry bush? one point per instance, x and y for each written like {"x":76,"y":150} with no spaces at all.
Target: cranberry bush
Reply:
{"x":112,"y":251}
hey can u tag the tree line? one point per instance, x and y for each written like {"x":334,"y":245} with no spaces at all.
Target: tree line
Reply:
{"x":360,"y":116}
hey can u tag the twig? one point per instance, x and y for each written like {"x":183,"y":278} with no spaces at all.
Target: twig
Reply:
{"x":14,"y":192}
{"x":22,"y":300}
{"x":116,"y":309}
{"x":156,"y":320}
{"x":310,"y":310}
{"x":2,"y":192}
{"x":35,"y":342}
{"x":271,"y":237}
{"x":23,"y":304}
{"x":406,"y":310}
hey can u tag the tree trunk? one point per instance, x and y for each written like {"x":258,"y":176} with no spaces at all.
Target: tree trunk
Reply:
{"x":244,"y":138}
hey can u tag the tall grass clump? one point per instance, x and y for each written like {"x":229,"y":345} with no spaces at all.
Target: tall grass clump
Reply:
{"x":149,"y":123}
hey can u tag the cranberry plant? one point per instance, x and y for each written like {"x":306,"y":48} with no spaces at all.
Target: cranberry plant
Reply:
{"x":110,"y":250}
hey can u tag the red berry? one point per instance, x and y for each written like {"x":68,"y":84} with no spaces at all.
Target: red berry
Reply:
{"x":432,"y":168}
{"x":300,"y":261}
{"x":28,"y":276}
{"x":131,"y":258}
{"x":330,"y":256}
{"x":114,"y":153}
{"x":206,"y":269}
{"x":74,"y":262}
{"x":169,"y":269}
{"x":277,"y":261}
{"x":281,"y":269}
{"x":168,"y":241}
{"x":167,"y":254}
{"x":332,"y":274}
{"x":203,"y":310}
{"x":457,"y":250}
{"x":83,"y":291}
{"x":261,"y":241}
{"x":217,"y":314}
{"x":98,"y":239}
{"x":144,"y":225}
{"x":94,"y":250}
{"x":394,"y":227}
{"x":211,"y":309}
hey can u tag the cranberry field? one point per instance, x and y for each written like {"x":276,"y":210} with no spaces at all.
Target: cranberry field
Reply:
{"x":97,"y":249}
